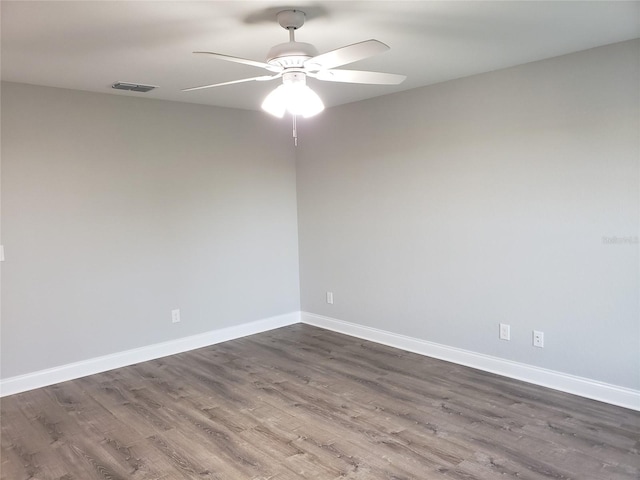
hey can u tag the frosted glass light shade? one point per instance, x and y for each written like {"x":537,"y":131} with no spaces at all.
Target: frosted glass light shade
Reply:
{"x":294,"y":97}
{"x":275,"y":103}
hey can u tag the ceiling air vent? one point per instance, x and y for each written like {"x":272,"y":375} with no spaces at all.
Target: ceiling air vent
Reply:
{"x":134,"y":87}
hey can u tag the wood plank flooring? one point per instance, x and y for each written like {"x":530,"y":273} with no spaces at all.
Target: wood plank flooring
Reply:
{"x":305,"y":403}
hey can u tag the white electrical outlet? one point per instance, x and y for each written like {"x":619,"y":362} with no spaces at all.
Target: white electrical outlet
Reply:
{"x":330,"y":298}
{"x":175,"y":315}
{"x":538,"y":339}
{"x":505,"y":331}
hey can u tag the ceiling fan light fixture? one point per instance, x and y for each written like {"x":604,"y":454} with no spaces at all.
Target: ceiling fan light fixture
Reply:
{"x":293,"y":96}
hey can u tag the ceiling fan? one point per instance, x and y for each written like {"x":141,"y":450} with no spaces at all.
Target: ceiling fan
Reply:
{"x":295,"y":61}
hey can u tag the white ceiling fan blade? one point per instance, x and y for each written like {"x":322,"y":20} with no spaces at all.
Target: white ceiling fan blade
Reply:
{"x":258,"y":79}
{"x":359,"y":76}
{"x":229,"y":58}
{"x":349,"y":54}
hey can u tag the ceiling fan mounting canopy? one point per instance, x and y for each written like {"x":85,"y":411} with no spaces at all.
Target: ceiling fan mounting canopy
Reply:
{"x":291,"y":19}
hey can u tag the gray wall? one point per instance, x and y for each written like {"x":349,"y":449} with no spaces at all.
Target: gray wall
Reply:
{"x":439,"y":212}
{"x":434,"y":213}
{"x":116,"y":210}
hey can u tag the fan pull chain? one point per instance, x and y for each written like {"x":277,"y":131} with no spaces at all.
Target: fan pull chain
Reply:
{"x":295,"y":131}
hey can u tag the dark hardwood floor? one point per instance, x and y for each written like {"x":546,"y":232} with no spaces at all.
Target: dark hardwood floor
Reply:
{"x":305,"y":403}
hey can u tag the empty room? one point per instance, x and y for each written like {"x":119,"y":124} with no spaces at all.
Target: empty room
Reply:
{"x":322,"y":240}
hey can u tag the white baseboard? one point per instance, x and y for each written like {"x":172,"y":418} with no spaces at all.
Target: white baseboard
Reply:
{"x":42,"y":378}
{"x":615,"y":395}
{"x":604,"y":392}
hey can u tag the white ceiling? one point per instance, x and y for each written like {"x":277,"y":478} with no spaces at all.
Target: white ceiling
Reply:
{"x":89,"y":45}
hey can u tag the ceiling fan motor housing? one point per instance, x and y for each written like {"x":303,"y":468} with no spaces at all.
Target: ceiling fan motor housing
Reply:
{"x":291,"y":54}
